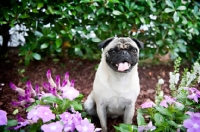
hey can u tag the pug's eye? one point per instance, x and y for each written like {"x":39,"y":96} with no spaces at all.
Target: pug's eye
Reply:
{"x":112,"y":51}
{"x":134,"y":51}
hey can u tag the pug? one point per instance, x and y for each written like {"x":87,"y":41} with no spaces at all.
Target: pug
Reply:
{"x":116,"y":84}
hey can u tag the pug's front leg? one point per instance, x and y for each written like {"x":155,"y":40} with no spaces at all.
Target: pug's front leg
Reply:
{"x":128,"y":114}
{"x":101,"y":111}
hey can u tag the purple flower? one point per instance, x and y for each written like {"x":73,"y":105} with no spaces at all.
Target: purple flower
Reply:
{"x":33,"y":114}
{"x":148,"y":104}
{"x":77,"y":118}
{"x":69,"y":92}
{"x":45,"y":113}
{"x":20,"y":91}
{"x":149,"y":126}
{"x":37,"y":89}
{"x":69,"y":126}
{"x":194,"y":94}
{"x":41,"y":112}
{"x":167,"y":100}
{"x":50,"y":80}
{"x":66,"y":116}
{"x":52,"y":127}
{"x":3,"y":118}
{"x":193,"y":123}
{"x":164,"y":103}
{"x":30,"y":88}
{"x":21,"y":124}
{"x":58,"y":81}
{"x":85,"y":126}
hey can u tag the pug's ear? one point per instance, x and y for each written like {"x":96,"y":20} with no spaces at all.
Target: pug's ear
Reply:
{"x":105,"y":43}
{"x":139,"y":43}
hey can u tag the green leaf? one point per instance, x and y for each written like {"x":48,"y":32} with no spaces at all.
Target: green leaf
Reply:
{"x":12,"y":123}
{"x":36,"y":56}
{"x":172,"y":123}
{"x":142,"y":20}
{"x":167,"y":10}
{"x":181,"y":8}
{"x":58,"y":42}
{"x":169,"y":3}
{"x":96,"y":40}
{"x":37,"y":33}
{"x":52,"y":99}
{"x":50,"y":9}
{"x":159,"y":119}
{"x":116,"y":12}
{"x":44,"y":46}
{"x":15,"y":111}
{"x":163,"y":110}
{"x":100,"y":11}
{"x":196,"y":9}
{"x":76,"y":105}
{"x":176,"y":17}
{"x":40,"y":5}
{"x":63,"y":32}
{"x":140,"y":119}
{"x":149,"y":2}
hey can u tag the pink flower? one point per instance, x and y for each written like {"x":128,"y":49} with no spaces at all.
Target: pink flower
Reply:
{"x":20,"y":91}
{"x":33,"y":114}
{"x":3,"y":117}
{"x":52,"y":127}
{"x":41,"y":112}
{"x":148,"y":104}
{"x":70,"y":93}
{"x":65,"y":117}
{"x":164,"y":103}
{"x":85,"y":126}
{"x":194,"y":94}
{"x":45,"y":113}
{"x":168,"y":100}
{"x":150,"y":127}
{"x":50,"y":80}
{"x":193,"y":123}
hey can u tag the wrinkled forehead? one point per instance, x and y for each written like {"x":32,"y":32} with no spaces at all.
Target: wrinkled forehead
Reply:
{"x":122,"y":43}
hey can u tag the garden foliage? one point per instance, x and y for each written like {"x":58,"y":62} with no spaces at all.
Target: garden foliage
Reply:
{"x":76,"y":26}
{"x":54,"y":107}
{"x":178,"y":112}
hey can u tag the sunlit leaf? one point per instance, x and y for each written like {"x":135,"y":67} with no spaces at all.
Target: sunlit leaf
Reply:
{"x":181,"y":8}
{"x":36,"y":56}
{"x":116,"y":12}
{"x":169,"y":3}
{"x":176,"y":17}
{"x":167,"y":10}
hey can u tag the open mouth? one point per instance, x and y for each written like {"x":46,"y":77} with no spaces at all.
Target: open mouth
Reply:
{"x":123,"y":66}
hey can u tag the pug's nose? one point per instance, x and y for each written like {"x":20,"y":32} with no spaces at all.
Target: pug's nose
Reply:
{"x":123,"y":53}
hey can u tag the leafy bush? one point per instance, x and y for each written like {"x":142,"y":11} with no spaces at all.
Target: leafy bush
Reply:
{"x":178,"y":112}
{"x":76,"y":26}
{"x":54,"y":107}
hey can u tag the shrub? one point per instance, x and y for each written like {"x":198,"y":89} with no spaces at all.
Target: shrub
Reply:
{"x":75,"y":27}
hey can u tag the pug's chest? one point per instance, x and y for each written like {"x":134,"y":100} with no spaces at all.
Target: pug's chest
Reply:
{"x":116,"y":105}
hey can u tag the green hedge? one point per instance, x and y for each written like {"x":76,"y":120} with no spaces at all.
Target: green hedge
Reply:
{"x":175,"y":29}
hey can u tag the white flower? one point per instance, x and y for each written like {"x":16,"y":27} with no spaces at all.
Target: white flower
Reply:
{"x":196,"y":68}
{"x":161,"y":81}
{"x":153,"y":17}
{"x":17,"y":35}
{"x":174,"y":78}
{"x":190,"y":77}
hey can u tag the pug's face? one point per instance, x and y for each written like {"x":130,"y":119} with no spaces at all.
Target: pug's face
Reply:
{"x":121,"y":54}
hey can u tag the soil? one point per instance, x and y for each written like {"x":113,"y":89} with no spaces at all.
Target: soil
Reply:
{"x":82,"y":71}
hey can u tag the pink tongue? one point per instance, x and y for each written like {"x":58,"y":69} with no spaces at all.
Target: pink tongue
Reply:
{"x":123,"y":66}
